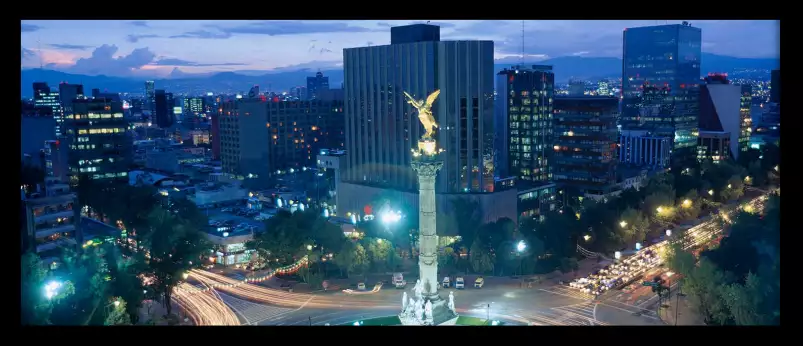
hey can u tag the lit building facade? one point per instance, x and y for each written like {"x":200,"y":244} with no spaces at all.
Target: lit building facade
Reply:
{"x":745,"y":118}
{"x":67,"y":93}
{"x":536,"y":201}
{"x":524,"y":123}
{"x":291,"y":134}
{"x":51,"y":222}
{"x":382,"y":128}
{"x":315,"y":85}
{"x":666,"y":57}
{"x":585,"y":138}
{"x":46,"y":102}
{"x":193,"y":109}
{"x":714,"y":146}
{"x":150,"y":97}
{"x":99,"y":143}
{"x":638,"y":148}
{"x":721,"y":110}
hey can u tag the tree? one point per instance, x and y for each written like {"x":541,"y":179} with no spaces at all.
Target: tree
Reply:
{"x":689,"y":206}
{"x":635,"y":227}
{"x":704,"y":287}
{"x":351,"y":258}
{"x":174,"y":248}
{"x":733,"y":189}
{"x":36,"y":307}
{"x":282,"y":240}
{"x":446,"y":259}
{"x":118,"y":315}
{"x":482,"y":260}
{"x":125,"y":282}
{"x":569,"y":264}
{"x":378,"y":251}
{"x":89,"y":274}
{"x":468,"y":219}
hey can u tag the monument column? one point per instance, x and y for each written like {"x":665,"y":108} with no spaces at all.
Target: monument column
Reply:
{"x":427,"y":167}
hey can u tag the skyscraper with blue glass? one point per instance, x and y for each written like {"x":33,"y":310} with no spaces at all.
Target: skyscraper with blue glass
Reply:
{"x":665,"y":57}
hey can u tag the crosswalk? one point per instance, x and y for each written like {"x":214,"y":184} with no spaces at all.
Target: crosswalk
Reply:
{"x":629,"y":308}
{"x":568,"y":292}
{"x":253,"y":313}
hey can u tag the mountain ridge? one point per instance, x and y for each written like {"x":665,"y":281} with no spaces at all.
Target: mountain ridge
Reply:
{"x":567,"y":67}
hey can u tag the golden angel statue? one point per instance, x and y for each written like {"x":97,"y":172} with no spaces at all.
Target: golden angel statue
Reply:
{"x":425,"y":112}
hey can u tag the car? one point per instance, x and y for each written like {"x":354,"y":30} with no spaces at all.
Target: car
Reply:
{"x":459,"y":283}
{"x":446,"y":282}
{"x":479,"y":282}
{"x":361,"y":286}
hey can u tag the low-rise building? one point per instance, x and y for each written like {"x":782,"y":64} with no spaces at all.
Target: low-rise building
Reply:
{"x":535,"y":202}
{"x":229,"y":246}
{"x":51,"y":220}
{"x":713,"y":145}
{"x":216,"y":194}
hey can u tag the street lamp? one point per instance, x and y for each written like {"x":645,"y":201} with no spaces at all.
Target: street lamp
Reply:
{"x":623,"y":223}
{"x":669,"y":233}
{"x":309,"y":247}
{"x":51,"y":289}
{"x":185,"y":275}
{"x":686,"y":203}
{"x":586,"y":237}
{"x":520,"y":247}
{"x":379,"y":241}
{"x":659,"y":209}
{"x":730,"y":186}
{"x":711,"y":192}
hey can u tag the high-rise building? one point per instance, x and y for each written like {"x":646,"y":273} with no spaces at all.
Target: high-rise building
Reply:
{"x":577,"y":87}
{"x":254,"y":92}
{"x":585,"y":143}
{"x":67,"y":93}
{"x":720,"y":111}
{"x":775,"y":86}
{"x":214,"y":134}
{"x":99,"y":143}
{"x":524,"y":123}
{"x":666,"y":57}
{"x":150,"y":97}
{"x":316,"y":84}
{"x":745,"y":117}
{"x":46,"y":101}
{"x":192,"y":108}
{"x":382,"y":127}
{"x":603,"y":88}
{"x":164,"y":113}
{"x":260,"y":137}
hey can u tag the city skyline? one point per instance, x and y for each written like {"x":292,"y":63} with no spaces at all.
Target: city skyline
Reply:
{"x":162,"y":48}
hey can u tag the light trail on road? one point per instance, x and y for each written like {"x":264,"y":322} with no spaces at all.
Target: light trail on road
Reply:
{"x":271,"y":296}
{"x":206,"y":309}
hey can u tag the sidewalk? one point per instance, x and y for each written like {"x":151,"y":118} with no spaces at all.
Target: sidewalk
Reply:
{"x":686,"y":316}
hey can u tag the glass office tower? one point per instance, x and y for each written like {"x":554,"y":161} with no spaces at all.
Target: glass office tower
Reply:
{"x":666,"y":57}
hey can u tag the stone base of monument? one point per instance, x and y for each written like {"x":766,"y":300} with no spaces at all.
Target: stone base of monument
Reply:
{"x":441,"y":315}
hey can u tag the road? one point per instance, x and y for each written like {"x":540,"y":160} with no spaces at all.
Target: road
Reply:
{"x":500,"y":299}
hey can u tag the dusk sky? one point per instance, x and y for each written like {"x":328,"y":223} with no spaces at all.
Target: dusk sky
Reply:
{"x":155,"y":48}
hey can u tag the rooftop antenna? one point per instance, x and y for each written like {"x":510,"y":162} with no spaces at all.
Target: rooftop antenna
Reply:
{"x":39,"y":44}
{"x":521,"y":59}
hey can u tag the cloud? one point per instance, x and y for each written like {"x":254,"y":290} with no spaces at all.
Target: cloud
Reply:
{"x":440,"y":24}
{"x":69,"y":46}
{"x":289,"y":27}
{"x":204,"y":34}
{"x":312,"y":65}
{"x":139,"y":23}
{"x":325,"y":50}
{"x":136,"y":38}
{"x":180,"y":62}
{"x":103,"y":61}
{"x":28,"y":53}
{"x":30,"y":27}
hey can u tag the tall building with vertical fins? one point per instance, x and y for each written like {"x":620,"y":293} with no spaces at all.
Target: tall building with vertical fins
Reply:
{"x":665,"y":57}
{"x":382,"y":128}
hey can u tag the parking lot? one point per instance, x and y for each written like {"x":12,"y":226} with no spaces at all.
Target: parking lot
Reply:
{"x":217,"y":214}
